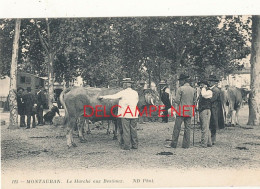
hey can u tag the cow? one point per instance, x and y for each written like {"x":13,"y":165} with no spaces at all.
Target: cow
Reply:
{"x":74,"y":99}
{"x":232,"y":99}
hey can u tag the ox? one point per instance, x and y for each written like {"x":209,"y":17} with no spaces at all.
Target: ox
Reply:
{"x":74,"y":99}
{"x":232,"y":99}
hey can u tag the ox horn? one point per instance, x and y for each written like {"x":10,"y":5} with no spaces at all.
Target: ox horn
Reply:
{"x":152,"y":101}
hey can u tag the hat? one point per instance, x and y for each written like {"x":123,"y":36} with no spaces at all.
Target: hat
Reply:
{"x":213,"y":78}
{"x":20,"y":88}
{"x":127,"y":80}
{"x":203,"y":81}
{"x":183,"y":76}
{"x":164,"y":88}
{"x":142,"y":82}
{"x":162,"y":82}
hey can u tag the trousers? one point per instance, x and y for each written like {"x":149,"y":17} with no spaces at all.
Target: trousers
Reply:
{"x":40,"y":115}
{"x":177,"y":129}
{"x":205,"y":132}
{"x":127,"y":133}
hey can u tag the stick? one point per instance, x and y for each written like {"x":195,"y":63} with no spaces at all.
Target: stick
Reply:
{"x":194,"y":116}
{"x":194,"y":127}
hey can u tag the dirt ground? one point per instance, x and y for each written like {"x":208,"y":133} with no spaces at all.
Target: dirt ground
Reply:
{"x":44,"y":148}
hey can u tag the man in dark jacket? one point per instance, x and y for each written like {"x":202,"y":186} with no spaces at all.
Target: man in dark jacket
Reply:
{"x":29,"y":101}
{"x":165,"y":97}
{"x":185,"y":98}
{"x":216,"y":119}
{"x":21,"y":106}
{"x":41,"y":100}
{"x":48,"y":117}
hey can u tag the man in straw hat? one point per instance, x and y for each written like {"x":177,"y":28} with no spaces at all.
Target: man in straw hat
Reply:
{"x":216,"y":119}
{"x":128,"y":122}
{"x":185,"y":97}
{"x":205,"y":113}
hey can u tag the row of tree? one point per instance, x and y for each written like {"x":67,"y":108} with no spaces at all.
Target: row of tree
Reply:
{"x":104,"y":50}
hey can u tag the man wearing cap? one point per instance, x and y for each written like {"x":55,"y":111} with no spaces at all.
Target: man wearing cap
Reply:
{"x":21,"y":106}
{"x":216,"y":119}
{"x":128,"y":99}
{"x":185,"y":98}
{"x":204,"y":113}
{"x":41,"y":100}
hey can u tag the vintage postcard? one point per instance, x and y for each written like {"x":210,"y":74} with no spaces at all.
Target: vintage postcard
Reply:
{"x":129,"y":94}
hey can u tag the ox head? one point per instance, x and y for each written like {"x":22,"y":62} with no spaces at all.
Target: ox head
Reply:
{"x":245,"y":92}
{"x":149,"y":97}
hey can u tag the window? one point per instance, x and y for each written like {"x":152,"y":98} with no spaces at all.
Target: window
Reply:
{"x":22,"y":79}
{"x":28,"y":80}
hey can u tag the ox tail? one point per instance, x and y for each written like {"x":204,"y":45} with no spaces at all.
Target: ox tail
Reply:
{"x":64,"y":104}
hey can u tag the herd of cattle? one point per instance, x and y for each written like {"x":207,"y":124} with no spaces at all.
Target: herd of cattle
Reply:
{"x":74,"y":99}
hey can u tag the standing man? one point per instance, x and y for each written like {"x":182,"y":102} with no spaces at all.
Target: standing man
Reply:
{"x":216,"y":119}
{"x":204,"y":113}
{"x":165,"y":97}
{"x":21,"y":106}
{"x":185,"y":98}
{"x":128,"y":98}
{"x":41,"y":100}
{"x":29,"y":101}
{"x":140,"y":91}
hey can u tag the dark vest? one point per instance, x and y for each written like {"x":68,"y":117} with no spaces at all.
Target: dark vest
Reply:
{"x":204,"y":103}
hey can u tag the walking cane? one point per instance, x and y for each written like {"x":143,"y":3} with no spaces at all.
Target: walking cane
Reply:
{"x":194,"y":116}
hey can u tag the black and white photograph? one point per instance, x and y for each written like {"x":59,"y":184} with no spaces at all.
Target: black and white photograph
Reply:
{"x":130,"y":101}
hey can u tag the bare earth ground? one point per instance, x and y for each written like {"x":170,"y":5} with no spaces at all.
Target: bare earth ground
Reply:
{"x":44,"y":149}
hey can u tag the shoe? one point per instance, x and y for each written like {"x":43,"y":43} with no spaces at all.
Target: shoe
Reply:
{"x":209,"y":145}
{"x":27,"y":128}
{"x":169,"y":146}
{"x":134,"y":147}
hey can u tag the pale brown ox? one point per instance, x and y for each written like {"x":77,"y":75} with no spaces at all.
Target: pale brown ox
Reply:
{"x":74,"y":99}
{"x":232,"y":99}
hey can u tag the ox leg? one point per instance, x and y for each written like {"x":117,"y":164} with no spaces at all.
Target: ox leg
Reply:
{"x":88,"y":132}
{"x":80,"y":128}
{"x":69,"y":136}
{"x":233,"y":118}
{"x":115,"y":130}
{"x":108,"y":127}
{"x":237,"y":122}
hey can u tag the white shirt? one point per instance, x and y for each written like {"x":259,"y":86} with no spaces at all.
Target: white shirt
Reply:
{"x":128,"y":98}
{"x":206,"y":93}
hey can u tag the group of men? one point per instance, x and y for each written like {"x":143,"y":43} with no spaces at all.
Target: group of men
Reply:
{"x":29,"y":105}
{"x":207,"y":101}
{"x":208,"y":104}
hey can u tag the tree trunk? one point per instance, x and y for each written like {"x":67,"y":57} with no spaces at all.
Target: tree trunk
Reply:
{"x":254,"y":97}
{"x":51,"y":82}
{"x":13,"y":78}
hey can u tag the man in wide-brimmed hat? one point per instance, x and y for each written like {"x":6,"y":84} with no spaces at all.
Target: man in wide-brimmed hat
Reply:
{"x":29,"y":101}
{"x":204,"y":106}
{"x":185,"y":96}
{"x":127,"y":123}
{"x":216,"y":119}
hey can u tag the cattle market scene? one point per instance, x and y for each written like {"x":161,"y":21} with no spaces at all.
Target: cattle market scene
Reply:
{"x":157,"y":94}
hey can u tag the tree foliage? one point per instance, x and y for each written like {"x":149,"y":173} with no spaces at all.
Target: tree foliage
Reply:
{"x":104,"y":50}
